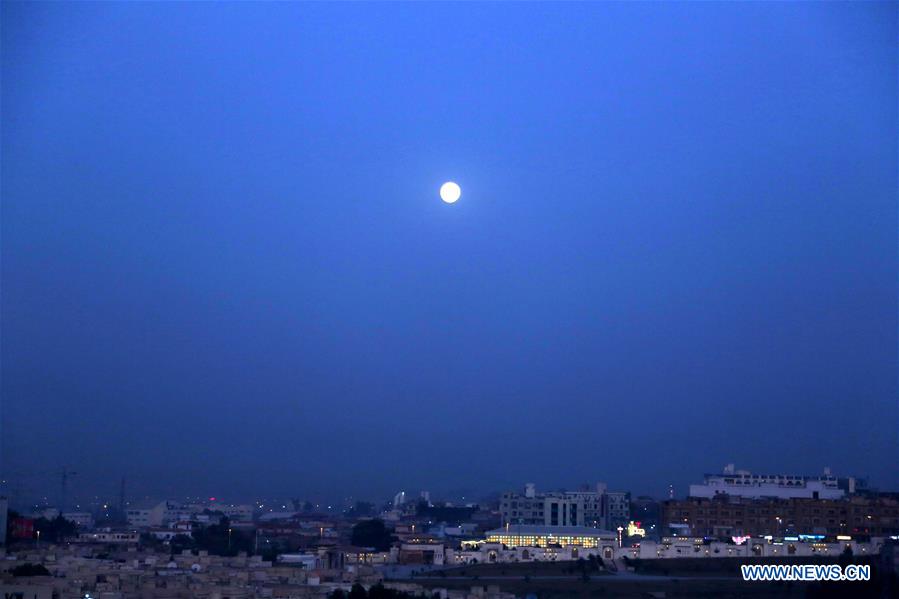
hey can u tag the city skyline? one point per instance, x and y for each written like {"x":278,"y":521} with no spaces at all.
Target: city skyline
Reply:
{"x":92,"y":497}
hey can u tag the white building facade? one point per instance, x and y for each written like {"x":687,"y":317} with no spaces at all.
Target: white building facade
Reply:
{"x":742,"y":483}
{"x":677,"y":547}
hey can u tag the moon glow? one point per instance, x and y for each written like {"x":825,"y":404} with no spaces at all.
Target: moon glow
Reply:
{"x":450,"y":192}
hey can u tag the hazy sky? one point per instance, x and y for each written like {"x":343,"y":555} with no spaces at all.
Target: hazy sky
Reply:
{"x":226,"y":268}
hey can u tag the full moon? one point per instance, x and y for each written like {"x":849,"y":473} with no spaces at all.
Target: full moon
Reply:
{"x":450,"y":192}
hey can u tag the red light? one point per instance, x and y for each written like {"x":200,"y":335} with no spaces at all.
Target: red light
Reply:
{"x":212,"y":499}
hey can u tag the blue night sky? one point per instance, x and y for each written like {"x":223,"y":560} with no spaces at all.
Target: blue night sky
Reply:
{"x":226,"y":268}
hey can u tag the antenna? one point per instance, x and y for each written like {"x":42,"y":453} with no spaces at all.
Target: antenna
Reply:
{"x":122,"y":498}
{"x":66,"y":473}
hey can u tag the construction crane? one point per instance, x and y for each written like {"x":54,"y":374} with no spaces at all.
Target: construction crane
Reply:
{"x":64,"y":487}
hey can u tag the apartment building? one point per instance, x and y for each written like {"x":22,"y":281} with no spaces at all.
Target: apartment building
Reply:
{"x":594,"y":508}
{"x":726,"y":516}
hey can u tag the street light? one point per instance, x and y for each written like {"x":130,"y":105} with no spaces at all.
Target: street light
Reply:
{"x":229,"y":539}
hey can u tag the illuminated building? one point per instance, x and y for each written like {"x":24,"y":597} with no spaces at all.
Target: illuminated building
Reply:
{"x":634,"y":530}
{"x":545,"y":536}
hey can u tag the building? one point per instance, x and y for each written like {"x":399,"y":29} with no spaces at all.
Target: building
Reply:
{"x":617,"y":507}
{"x":597,"y":508}
{"x":422,"y":553}
{"x":746,"y":547}
{"x":548,"y":536}
{"x":309,"y":561}
{"x":146,"y":514}
{"x":240,"y":513}
{"x":725,"y":516}
{"x":167,"y":534}
{"x":21,"y":528}
{"x":83,"y":520}
{"x":742,"y":483}
{"x":154,"y":514}
{"x":47,"y":513}
{"x":491,"y":553}
{"x":109,"y":536}
{"x":22,"y":591}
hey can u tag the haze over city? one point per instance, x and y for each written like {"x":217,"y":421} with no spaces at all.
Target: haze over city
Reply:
{"x":227,"y":269}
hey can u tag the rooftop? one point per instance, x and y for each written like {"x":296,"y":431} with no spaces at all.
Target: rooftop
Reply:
{"x":555,"y":531}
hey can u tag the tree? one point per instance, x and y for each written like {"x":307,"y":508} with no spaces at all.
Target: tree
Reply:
{"x":10,"y":516}
{"x":222,"y":539}
{"x":30,"y":570}
{"x":358,"y":592}
{"x":372,"y":533}
{"x":181,"y":542}
{"x":361,"y":509}
{"x":55,"y":530}
{"x":377,"y":591}
{"x":149,"y":541}
{"x":846,"y":556}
